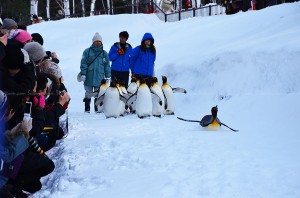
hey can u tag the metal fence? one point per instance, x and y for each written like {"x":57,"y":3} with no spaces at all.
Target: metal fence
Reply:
{"x":203,"y":11}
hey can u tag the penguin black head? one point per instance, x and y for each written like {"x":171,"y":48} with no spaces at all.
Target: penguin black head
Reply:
{"x":113,"y":84}
{"x":153,"y":80}
{"x":103,"y":81}
{"x":214,"y":111}
{"x":122,"y":83}
{"x":133,"y":80}
{"x":164,"y":79}
{"x":142,"y":81}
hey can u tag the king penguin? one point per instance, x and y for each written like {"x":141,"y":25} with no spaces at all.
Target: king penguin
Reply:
{"x":143,"y":100}
{"x":168,"y":91}
{"x":157,"y":109}
{"x":211,"y":122}
{"x":111,"y":100}
{"x":132,"y":89}
{"x":102,"y":90}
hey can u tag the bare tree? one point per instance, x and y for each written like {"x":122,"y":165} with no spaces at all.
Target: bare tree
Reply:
{"x":92,"y":7}
{"x":83,"y":10}
{"x":132,"y":4}
{"x":103,"y":6}
{"x":34,"y":7}
{"x":108,"y":7}
{"x":67,"y":8}
{"x":48,"y":9}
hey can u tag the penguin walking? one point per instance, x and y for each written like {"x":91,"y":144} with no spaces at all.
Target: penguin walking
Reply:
{"x":131,"y":90}
{"x":124,"y":93}
{"x":111,"y":101}
{"x":102,"y":89}
{"x":143,"y":100}
{"x":168,"y":92}
{"x":211,"y":122}
{"x":157,"y":109}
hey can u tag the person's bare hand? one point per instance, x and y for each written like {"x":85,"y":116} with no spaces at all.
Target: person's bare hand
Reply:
{"x":3,"y":39}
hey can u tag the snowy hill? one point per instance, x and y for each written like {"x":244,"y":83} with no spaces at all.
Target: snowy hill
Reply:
{"x":247,"y":64}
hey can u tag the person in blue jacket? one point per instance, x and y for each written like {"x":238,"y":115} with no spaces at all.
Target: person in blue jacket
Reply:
{"x":142,"y":59}
{"x":94,"y":67}
{"x":119,"y":55}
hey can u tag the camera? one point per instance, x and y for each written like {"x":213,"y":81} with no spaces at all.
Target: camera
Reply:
{"x":27,"y":112}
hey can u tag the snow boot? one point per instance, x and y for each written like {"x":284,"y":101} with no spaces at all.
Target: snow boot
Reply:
{"x":87,"y":102}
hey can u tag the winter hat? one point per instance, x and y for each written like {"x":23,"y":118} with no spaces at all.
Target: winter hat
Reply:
{"x":3,"y":101}
{"x":55,"y":70}
{"x":22,"y":36}
{"x":49,"y":67}
{"x":97,"y":37}
{"x":124,"y":34}
{"x":37,"y":38}
{"x":35,"y":50}
{"x":8,"y":23}
{"x":14,"y":58}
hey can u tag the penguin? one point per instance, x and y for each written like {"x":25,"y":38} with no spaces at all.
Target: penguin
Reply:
{"x":102,"y":89}
{"x":111,"y":101}
{"x":131,"y":90}
{"x":157,"y":109}
{"x":211,"y":122}
{"x":168,"y":92}
{"x":123,"y":92}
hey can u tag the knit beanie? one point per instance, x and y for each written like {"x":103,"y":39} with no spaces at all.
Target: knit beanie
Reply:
{"x":38,"y":38}
{"x":14,"y":58}
{"x":3,"y":101}
{"x":23,"y":36}
{"x":97,"y":37}
{"x":124,"y":34}
{"x":8,"y":23}
{"x":35,"y":50}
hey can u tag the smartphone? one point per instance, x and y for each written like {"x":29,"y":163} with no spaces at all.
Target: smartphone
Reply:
{"x":27,"y":111}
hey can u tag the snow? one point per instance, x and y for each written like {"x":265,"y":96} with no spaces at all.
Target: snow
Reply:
{"x":247,"y":64}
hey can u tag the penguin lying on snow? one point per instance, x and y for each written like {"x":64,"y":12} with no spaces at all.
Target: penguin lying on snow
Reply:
{"x":169,"y":99}
{"x":111,"y":101}
{"x":143,"y":100}
{"x":212,"y":122}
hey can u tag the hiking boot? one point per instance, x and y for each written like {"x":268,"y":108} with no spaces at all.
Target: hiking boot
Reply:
{"x":87,"y":102}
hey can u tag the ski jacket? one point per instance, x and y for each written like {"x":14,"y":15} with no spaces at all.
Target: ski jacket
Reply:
{"x":120,"y":62}
{"x":141,"y":62}
{"x":95,"y":65}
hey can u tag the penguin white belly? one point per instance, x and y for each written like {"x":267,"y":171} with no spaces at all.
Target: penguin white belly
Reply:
{"x":157,"y":109}
{"x":111,"y":103}
{"x":102,"y":90}
{"x":143,"y":102}
{"x":167,"y":90}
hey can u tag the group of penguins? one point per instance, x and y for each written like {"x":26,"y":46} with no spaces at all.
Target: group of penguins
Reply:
{"x":144,"y":100}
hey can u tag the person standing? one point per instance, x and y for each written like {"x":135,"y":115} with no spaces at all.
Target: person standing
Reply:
{"x":119,"y":55}
{"x":142,"y":59}
{"x":94,"y":67}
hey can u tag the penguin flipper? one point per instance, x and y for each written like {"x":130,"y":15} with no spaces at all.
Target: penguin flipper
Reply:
{"x":131,"y":99}
{"x":166,"y":101}
{"x":156,"y":97}
{"x":123,"y":99}
{"x":100,"y":100}
{"x":93,"y":94}
{"x":179,"y":90}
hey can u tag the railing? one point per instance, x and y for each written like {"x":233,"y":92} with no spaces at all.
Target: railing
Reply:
{"x":203,"y":11}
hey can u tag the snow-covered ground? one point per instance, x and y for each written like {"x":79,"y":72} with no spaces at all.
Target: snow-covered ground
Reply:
{"x":248,"y":64}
